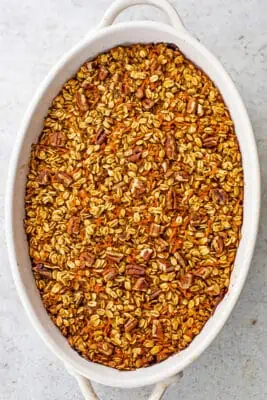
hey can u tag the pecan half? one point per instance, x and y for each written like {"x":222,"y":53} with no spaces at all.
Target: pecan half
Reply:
{"x":101,"y":136}
{"x":87,"y":259}
{"x":57,"y":139}
{"x":135,"y":269}
{"x":180,"y":259}
{"x":171,"y":201}
{"x":157,"y":330}
{"x":110,"y":273}
{"x":64,"y":178}
{"x":210,"y":142}
{"x":203,"y":272}
{"x":73,"y":226}
{"x":103,"y":73}
{"x":213,"y":290}
{"x":44,"y":177}
{"x":105,"y":348}
{"x":170,"y":148}
{"x":146,"y":253}
{"x":82,"y":101}
{"x":42,"y":271}
{"x":141,"y":284}
{"x":148,"y":104}
{"x":136,"y":156}
{"x":154,"y":295}
{"x":191,"y":106}
{"x":219,"y":196}
{"x":186,"y":281}
{"x":155,"y":230}
{"x":139,"y":93}
{"x":114,"y":256}
{"x":130,"y":324}
{"x":182,"y":176}
{"x":217,"y":245}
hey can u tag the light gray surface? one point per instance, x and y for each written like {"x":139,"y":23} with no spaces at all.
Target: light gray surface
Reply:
{"x":33,"y":35}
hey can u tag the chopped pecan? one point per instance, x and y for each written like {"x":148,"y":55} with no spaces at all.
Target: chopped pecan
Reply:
{"x":210,"y":142}
{"x":105,"y":348}
{"x":130,"y":324}
{"x":154,"y":295}
{"x":137,"y":186}
{"x":155,"y":230}
{"x":136,"y":155}
{"x":148,"y":104}
{"x":82,"y":101}
{"x":44,"y":177}
{"x":180,"y":259}
{"x":186,"y":281}
{"x":172,"y":46}
{"x":73,"y":226}
{"x":103,"y":73}
{"x":171,"y":200}
{"x":141,"y":284}
{"x":170,"y":147}
{"x":157,"y":330}
{"x":213,"y":290}
{"x":203,"y":272}
{"x":135,"y":269}
{"x":42,"y":271}
{"x":64,"y":178}
{"x":114,"y":256}
{"x":182,"y":176}
{"x":146,"y":253}
{"x":110,"y":273}
{"x":87,"y":258}
{"x":57,"y":139}
{"x":217,"y":245}
{"x":139,"y":93}
{"x":101,"y":136}
{"x":191,"y":106}
{"x":219,"y":196}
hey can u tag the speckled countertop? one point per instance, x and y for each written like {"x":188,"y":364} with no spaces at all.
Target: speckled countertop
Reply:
{"x":33,"y":35}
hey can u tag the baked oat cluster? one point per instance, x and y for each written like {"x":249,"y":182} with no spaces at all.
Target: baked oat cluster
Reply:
{"x":134,"y":205}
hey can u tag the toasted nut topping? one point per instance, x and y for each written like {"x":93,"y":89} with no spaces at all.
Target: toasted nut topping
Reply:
{"x":134,"y":269}
{"x":57,"y":139}
{"x":146,"y":253}
{"x":217,"y":244}
{"x":148,"y":104}
{"x":219,"y":196}
{"x":139,"y":93}
{"x":110,"y":273}
{"x":170,"y":147}
{"x":101,"y":136}
{"x":141,"y":284}
{"x":44,"y":177}
{"x":103,"y":73}
{"x":155,"y":294}
{"x":114,"y":256}
{"x":81,"y":101}
{"x":186,"y":281}
{"x":87,"y":259}
{"x":73,"y":226}
{"x":155,"y":230}
{"x":42,"y":271}
{"x":130,"y":325}
{"x":157,"y":330}
{"x":136,"y":156}
{"x":64,"y":178}
{"x":210,"y":142}
{"x":171,"y":200}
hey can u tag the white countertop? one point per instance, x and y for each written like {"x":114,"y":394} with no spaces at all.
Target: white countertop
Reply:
{"x":33,"y":35}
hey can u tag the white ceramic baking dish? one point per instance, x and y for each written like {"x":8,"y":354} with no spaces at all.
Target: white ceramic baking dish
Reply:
{"x":103,"y":38}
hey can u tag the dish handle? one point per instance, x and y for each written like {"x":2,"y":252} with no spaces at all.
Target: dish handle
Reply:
{"x":119,"y":5}
{"x":89,"y":393}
